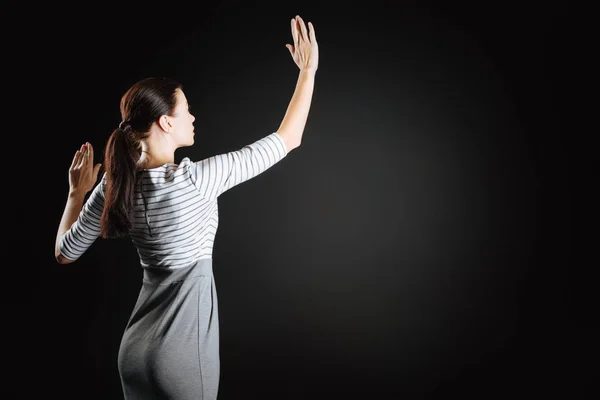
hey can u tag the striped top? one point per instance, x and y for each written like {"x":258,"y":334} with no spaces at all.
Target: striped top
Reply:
{"x":176,"y":215}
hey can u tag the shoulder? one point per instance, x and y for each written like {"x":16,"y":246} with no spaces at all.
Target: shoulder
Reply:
{"x":100,"y":186}
{"x":185,"y":164}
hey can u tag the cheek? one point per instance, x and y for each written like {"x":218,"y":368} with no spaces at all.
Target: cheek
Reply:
{"x":184,"y":124}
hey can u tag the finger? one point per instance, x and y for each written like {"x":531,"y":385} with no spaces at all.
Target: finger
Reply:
{"x":295,"y":32}
{"x":79,"y":156}
{"x":88,"y":154}
{"x":91,"y":151}
{"x":313,"y":38}
{"x":82,"y":158}
{"x":75,"y":159}
{"x":303,"y":29}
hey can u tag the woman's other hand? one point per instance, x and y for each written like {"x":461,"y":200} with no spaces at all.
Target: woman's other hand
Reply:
{"x":82,"y":173}
{"x":305,"y":50}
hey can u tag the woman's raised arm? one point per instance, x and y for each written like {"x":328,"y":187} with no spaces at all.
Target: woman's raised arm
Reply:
{"x":305,"y":53}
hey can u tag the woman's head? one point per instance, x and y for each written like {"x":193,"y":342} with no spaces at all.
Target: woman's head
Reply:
{"x":155,"y":122}
{"x":155,"y":103}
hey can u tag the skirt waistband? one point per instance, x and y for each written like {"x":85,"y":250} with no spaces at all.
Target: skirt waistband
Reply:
{"x":163,"y":276}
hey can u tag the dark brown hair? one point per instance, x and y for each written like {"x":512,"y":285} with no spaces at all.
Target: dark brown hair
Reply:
{"x":141,"y":105}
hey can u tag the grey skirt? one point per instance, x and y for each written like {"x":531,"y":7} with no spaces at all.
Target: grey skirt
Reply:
{"x":170,"y":346}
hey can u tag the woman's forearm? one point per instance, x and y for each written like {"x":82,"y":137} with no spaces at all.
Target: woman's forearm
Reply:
{"x":294,"y":121}
{"x":72,"y":209}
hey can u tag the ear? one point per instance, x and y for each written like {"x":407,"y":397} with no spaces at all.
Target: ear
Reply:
{"x":165,"y":123}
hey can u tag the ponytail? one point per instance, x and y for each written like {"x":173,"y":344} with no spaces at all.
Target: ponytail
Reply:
{"x":120,"y":165}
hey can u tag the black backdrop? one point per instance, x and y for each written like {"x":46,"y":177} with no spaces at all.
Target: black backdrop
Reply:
{"x":428,"y":238}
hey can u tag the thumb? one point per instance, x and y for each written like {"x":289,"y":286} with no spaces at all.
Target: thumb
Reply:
{"x":290,"y":48}
{"x":97,"y":169}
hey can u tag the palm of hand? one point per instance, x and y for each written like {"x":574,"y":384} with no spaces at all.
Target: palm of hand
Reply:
{"x":82,"y":173}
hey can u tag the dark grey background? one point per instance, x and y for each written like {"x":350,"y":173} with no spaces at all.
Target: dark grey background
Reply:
{"x":427,"y":239}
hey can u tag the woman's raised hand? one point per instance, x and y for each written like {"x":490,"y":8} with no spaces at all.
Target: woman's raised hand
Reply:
{"x":82,"y":173}
{"x":305,"y":50}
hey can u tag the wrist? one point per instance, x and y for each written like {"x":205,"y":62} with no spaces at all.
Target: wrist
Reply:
{"x":76,"y":194}
{"x":308,"y":72}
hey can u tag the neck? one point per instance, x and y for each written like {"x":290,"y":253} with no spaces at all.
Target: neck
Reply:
{"x":147,"y":161}
{"x":156,"y":151}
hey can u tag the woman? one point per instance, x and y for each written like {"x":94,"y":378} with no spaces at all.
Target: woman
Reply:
{"x":170,"y":346}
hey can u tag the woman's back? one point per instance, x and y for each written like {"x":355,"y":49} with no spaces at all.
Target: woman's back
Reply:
{"x":173,"y":225}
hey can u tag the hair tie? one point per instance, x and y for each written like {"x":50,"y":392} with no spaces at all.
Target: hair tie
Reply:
{"x":123,"y":125}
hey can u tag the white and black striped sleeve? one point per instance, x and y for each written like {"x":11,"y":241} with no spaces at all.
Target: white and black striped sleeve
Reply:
{"x":86,"y":229}
{"x":217,"y":174}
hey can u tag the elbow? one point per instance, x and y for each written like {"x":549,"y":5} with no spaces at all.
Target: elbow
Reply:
{"x":58,"y":255}
{"x":293,"y":146}
{"x":290,"y":144}
{"x":290,"y":148}
{"x":62,"y":259}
